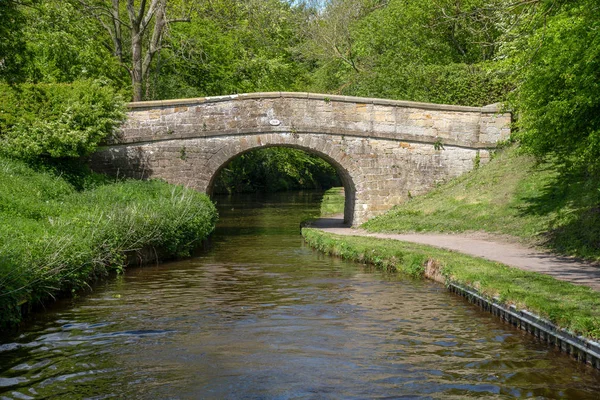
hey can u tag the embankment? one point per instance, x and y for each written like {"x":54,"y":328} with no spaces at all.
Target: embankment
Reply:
{"x":533,"y":202}
{"x":558,"y":312}
{"x":56,"y":240}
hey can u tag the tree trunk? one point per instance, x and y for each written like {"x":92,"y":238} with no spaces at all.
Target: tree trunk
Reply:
{"x":136,"y":70}
{"x":140,"y":25}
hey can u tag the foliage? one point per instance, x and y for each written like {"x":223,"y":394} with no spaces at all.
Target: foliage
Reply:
{"x":511,"y":195}
{"x":56,"y":120}
{"x":432,"y":51}
{"x":135,"y":31}
{"x":56,"y":240}
{"x":12,"y":44}
{"x":231,"y":47}
{"x":558,"y":98}
{"x":65,"y":46}
{"x":332,"y":202}
{"x":573,"y":307}
{"x":275,"y":169}
{"x":463,"y":84}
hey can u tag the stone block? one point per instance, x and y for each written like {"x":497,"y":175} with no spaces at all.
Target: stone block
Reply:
{"x":381,"y":148}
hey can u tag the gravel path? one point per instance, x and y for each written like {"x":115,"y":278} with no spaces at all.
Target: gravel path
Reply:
{"x":512,"y":254}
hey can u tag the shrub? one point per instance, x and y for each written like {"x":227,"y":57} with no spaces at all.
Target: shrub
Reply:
{"x":558,"y":99}
{"x":56,"y":240}
{"x":56,"y":120}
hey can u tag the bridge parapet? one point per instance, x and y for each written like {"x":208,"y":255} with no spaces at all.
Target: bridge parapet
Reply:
{"x":308,"y":113}
{"x":384,"y":150}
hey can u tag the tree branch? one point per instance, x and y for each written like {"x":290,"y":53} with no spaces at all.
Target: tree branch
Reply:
{"x":175,"y":20}
{"x":98,"y":11}
{"x":151,"y":11}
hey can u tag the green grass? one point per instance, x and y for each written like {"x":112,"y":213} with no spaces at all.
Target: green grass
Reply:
{"x":333,"y":202}
{"x":511,"y":195}
{"x":575,"y":308}
{"x":55,"y":239}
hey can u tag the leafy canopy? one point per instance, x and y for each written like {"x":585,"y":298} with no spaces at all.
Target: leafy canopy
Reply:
{"x":558,"y":98}
{"x":56,"y":120}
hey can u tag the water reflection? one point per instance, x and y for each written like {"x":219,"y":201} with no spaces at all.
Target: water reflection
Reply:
{"x":262,"y":316}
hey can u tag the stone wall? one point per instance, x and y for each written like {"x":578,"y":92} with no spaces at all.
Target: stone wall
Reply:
{"x":383,"y":150}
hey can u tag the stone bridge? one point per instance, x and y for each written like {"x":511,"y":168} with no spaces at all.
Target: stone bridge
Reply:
{"x":383,"y":150}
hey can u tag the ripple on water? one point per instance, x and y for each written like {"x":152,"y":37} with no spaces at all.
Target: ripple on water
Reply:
{"x":262,"y":316}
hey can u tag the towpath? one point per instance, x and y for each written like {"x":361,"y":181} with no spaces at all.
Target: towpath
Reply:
{"x":512,"y":254}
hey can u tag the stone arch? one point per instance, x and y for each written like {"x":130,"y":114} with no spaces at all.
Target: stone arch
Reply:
{"x":384,"y":150}
{"x":334,"y":157}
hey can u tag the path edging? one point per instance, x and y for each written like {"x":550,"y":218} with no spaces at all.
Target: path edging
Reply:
{"x":582,"y":349}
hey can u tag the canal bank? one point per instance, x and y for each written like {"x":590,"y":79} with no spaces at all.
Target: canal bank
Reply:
{"x":261,"y":315}
{"x":61,"y":233}
{"x":557,"y":312}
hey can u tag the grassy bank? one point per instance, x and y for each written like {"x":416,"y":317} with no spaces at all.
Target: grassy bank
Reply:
{"x":572,"y":307}
{"x":512,"y":195}
{"x":55,"y":239}
{"x":332,"y":202}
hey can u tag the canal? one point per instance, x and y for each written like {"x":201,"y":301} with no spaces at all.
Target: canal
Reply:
{"x":258,"y":315}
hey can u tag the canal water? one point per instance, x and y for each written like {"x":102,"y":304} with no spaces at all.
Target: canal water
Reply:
{"x":259,"y":315}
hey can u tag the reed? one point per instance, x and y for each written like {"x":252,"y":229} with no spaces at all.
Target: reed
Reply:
{"x":55,"y":240}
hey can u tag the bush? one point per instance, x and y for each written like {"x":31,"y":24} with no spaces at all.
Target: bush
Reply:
{"x":55,"y":240}
{"x":462,"y":84}
{"x":56,"y":120}
{"x":559,"y":96}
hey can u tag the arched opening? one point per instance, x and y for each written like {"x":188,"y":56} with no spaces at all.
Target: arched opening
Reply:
{"x":227,"y":176}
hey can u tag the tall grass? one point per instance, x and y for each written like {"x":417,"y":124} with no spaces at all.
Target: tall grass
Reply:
{"x":512,"y":195}
{"x":55,"y":240}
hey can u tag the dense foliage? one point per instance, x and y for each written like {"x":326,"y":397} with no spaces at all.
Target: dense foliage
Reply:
{"x":54,"y":239}
{"x":56,"y":120}
{"x":232,"y":47}
{"x":540,"y":57}
{"x":64,"y":46}
{"x":276,"y":169}
{"x":559,"y":93}
{"x":432,"y":51}
{"x":12,"y":44}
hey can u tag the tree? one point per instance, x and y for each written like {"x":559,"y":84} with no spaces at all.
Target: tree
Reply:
{"x":231,"y":47}
{"x":63,"y":46}
{"x":558,"y":97}
{"x":12,"y":45}
{"x":141,"y":26}
{"x":329,"y":29}
{"x":439,"y":51}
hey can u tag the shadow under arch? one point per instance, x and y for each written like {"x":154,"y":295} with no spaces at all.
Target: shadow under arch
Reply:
{"x":343,"y":173}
